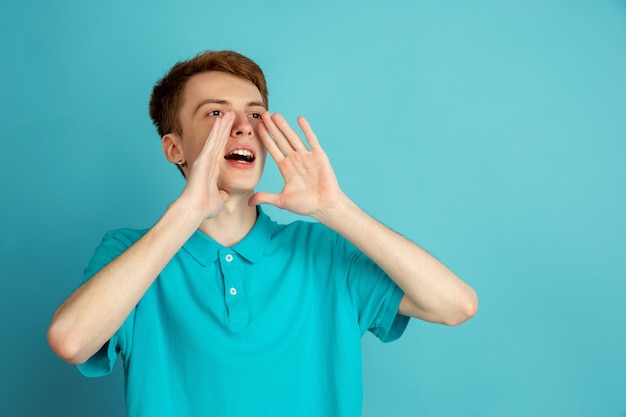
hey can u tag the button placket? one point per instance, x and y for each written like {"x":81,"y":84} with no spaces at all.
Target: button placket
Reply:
{"x":236,"y":303}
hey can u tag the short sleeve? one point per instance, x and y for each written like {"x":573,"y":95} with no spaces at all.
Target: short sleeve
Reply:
{"x":111,"y":246}
{"x":372,"y":293}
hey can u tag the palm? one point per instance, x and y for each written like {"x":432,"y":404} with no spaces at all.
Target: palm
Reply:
{"x":202,"y":188}
{"x":310,"y":183}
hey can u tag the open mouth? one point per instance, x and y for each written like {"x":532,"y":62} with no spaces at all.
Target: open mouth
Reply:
{"x":240,"y":155}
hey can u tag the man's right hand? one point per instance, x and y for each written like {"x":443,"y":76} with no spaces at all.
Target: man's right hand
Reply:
{"x":94,"y":312}
{"x":202,"y":192}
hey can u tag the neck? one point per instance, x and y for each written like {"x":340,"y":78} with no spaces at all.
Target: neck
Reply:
{"x":233,"y":223}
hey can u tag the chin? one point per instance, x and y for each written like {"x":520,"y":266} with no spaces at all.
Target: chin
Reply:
{"x":239,"y":187}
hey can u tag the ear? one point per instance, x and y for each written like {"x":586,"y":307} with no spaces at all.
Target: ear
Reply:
{"x":172,"y":148}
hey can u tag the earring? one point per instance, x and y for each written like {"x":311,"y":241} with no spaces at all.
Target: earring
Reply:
{"x":181,"y":164}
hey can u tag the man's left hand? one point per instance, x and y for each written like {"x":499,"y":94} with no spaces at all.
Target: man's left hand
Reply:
{"x":311,"y":186}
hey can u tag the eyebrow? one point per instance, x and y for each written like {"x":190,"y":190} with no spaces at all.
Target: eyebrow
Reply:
{"x":226,"y":103}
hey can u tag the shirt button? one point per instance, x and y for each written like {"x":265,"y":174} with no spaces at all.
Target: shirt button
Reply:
{"x":233,"y":291}
{"x":229,"y":258}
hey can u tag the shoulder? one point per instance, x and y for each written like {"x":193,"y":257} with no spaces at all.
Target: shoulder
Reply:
{"x":301,"y":231}
{"x":113,"y":243}
{"x":125,"y":236}
{"x":117,"y":241}
{"x":316,"y":240}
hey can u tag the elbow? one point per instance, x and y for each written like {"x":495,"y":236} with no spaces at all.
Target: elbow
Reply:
{"x":465,"y":310}
{"x":64,"y":345}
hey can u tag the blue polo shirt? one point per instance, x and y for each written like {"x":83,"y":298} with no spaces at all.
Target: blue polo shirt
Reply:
{"x":271,"y":326}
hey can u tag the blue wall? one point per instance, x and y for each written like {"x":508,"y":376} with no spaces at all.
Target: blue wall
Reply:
{"x":491,"y":132}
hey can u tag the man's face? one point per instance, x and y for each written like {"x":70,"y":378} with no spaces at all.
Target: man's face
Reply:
{"x":209,"y":95}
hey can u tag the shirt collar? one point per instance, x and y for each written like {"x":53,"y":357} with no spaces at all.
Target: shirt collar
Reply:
{"x":205,"y":250}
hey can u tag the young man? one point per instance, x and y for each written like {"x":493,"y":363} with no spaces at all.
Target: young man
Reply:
{"x":219,"y":311}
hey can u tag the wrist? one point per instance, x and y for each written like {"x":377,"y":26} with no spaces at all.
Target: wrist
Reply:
{"x":333,"y":215}
{"x":185,"y":213}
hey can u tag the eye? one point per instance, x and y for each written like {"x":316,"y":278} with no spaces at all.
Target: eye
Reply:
{"x":256,"y":115}
{"x":215,"y":113}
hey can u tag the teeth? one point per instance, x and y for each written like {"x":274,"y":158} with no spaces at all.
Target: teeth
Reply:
{"x":242,"y":152}
{"x":241,"y":155}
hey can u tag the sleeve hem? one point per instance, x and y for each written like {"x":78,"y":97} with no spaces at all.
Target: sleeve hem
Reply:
{"x":393,"y":324}
{"x":101,"y":363}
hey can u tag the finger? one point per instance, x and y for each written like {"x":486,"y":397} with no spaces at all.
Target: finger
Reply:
{"x":277,"y":137}
{"x":308,"y":133}
{"x":269,"y":143}
{"x":224,"y":195}
{"x":264,"y":198}
{"x":216,"y":141}
{"x":277,"y":134}
{"x":291,"y":135}
{"x":220,"y":131}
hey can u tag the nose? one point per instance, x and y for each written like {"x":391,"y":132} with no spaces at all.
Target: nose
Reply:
{"x":241,"y":126}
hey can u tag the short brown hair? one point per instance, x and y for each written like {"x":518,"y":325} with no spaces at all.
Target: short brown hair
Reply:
{"x":167,"y":94}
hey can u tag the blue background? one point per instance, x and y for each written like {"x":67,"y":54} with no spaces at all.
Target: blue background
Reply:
{"x":490,"y":132}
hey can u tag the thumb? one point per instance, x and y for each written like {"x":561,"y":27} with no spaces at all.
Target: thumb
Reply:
{"x":224,"y":195}
{"x":264,"y":198}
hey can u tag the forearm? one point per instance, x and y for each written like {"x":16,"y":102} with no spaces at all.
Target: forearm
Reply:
{"x":434,"y":292}
{"x":94,"y":312}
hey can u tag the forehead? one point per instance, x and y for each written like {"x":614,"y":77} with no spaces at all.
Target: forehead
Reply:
{"x":220,"y":86}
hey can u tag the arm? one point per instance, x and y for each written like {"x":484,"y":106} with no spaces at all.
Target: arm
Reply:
{"x":97,"y":309}
{"x":432,"y":292}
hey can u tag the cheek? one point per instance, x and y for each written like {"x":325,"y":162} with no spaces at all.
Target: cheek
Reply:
{"x":193,"y":149}
{"x":196,"y":139}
